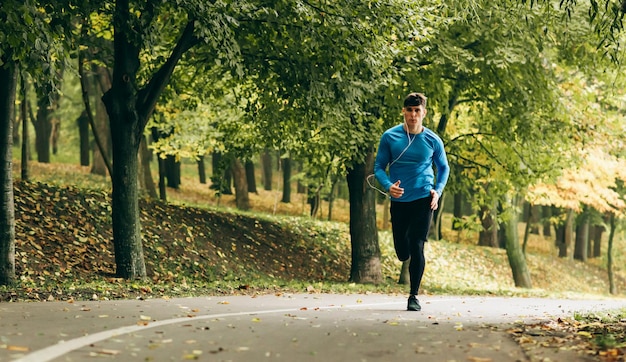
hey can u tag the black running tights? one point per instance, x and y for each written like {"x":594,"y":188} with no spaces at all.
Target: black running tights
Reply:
{"x":410,"y":225}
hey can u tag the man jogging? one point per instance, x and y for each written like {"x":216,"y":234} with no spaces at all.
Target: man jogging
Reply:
{"x":410,"y":150}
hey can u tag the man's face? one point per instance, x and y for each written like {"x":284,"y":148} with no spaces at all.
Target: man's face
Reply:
{"x":413,"y":115}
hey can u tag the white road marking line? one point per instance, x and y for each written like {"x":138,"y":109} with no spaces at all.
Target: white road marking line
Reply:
{"x":64,"y":347}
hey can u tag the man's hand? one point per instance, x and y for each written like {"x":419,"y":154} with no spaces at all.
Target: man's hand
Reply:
{"x":434,"y":199}
{"x":395,"y":190}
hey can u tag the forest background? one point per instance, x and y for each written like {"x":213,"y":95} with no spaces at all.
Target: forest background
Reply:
{"x":527,"y":97}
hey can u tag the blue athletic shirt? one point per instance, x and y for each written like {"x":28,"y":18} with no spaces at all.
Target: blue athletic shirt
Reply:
{"x":414,"y":168}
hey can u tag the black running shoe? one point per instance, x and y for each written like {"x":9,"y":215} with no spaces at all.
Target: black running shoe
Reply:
{"x":413,"y":304}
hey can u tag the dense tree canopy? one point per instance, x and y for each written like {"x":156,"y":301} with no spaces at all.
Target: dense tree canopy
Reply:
{"x":509,"y":85}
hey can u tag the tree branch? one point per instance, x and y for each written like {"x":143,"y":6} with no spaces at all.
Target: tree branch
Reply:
{"x":148,"y":96}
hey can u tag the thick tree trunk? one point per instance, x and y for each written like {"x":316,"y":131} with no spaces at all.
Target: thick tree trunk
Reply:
{"x":582,"y":237}
{"x":126,"y":126}
{"x":366,"y":267}
{"x":241,"y":185}
{"x":546,"y":212}
{"x":286,"y":163}
{"x":129,"y":110}
{"x":517,"y":261}
{"x":535,"y":211}
{"x":8,"y":87}
{"x":129,"y":258}
{"x":598,"y":230}
{"x":172,"y":171}
{"x":266,"y":162}
{"x":43,"y":128}
{"x":251,"y":180}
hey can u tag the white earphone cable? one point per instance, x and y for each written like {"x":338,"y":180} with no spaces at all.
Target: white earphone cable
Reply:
{"x":368,"y":178}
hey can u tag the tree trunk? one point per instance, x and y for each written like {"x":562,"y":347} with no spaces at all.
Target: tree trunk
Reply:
{"x":201,"y":170}
{"x":129,"y":109}
{"x":609,"y":256}
{"x":148,"y":182}
{"x":25,"y":141}
{"x":598,"y":230}
{"x":250,"y":179}
{"x":286,"y":163}
{"x":547,"y":223}
{"x":564,"y":235}
{"x":266,"y":162}
{"x":8,"y":88}
{"x":172,"y":172}
{"x":55,"y":133}
{"x":313,"y":199}
{"x":125,"y":133}
{"x":331,"y":198}
{"x":534,"y":211}
{"x":103,"y":129}
{"x":162,"y":186}
{"x":241,"y":185}
{"x":126,"y":126}
{"x":365,"y":266}
{"x":43,"y":128}
{"x":517,"y":261}
{"x":23,"y":113}
{"x":83,"y":132}
{"x":582,"y":237}
{"x":488,"y":235}
{"x":531,"y":224}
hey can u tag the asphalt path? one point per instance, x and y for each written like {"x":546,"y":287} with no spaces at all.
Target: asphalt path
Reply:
{"x":285,"y":327}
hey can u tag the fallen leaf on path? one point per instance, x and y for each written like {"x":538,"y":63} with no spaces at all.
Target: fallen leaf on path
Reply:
{"x":479,"y":359}
{"x":109,"y":352}
{"x":17,"y":348}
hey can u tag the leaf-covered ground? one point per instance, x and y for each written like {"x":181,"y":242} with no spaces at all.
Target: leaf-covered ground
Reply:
{"x":64,"y":239}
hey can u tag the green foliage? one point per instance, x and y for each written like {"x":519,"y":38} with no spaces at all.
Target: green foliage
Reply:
{"x":34,"y":34}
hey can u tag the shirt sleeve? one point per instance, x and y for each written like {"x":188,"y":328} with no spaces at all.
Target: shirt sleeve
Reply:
{"x":443,"y":168}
